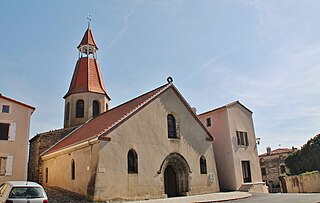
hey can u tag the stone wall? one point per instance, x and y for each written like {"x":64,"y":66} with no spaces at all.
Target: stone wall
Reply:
{"x":40,"y":143}
{"x":305,"y":183}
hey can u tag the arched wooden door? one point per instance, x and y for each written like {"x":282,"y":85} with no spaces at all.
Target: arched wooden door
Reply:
{"x":170,"y":182}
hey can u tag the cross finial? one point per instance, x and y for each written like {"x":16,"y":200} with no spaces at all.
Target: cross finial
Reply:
{"x":89,"y":20}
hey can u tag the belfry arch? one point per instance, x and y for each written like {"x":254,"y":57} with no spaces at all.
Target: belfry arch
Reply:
{"x":175,"y":171}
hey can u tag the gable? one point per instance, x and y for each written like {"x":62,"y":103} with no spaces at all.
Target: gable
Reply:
{"x":100,"y":126}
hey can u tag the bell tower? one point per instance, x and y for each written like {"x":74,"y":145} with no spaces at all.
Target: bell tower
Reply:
{"x":87,"y":96}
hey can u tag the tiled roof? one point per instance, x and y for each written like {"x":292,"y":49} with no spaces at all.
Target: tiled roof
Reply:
{"x":87,"y":78}
{"x":17,"y":102}
{"x":226,"y":106}
{"x":88,"y":39}
{"x":278,"y":151}
{"x":100,"y":126}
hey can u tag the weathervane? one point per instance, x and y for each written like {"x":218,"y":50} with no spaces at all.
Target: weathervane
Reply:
{"x":89,"y":20}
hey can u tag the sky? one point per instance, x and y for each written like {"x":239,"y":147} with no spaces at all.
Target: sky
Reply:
{"x":266,"y":54}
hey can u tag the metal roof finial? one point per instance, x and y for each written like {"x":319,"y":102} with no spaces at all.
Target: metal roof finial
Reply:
{"x":89,"y":20}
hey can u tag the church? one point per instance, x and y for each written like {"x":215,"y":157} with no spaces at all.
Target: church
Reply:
{"x":153,"y":146}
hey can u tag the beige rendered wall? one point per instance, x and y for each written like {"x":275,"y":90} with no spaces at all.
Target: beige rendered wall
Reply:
{"x":88,"y":98}
{"x":240,"y":119}
{"x":303,"y":183}
{"x":223,"y":150}
{"x":18,"y":148}
{"x":146,"y":133}
{"x":59,"y":169}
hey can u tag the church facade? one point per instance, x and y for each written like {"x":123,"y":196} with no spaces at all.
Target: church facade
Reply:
{"x":152,"y":146}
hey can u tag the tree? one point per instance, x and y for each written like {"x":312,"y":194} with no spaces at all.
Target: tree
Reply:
{"x":306,"y":159}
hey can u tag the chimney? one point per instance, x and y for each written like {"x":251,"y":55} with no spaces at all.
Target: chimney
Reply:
{"x":268,"y":150}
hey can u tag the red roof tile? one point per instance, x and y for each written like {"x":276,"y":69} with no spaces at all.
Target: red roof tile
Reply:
{"x":87,"y":78}
{"x":278,"y":151}
{"x":88,"y":39}
{"x":103,"y":124}
{"x":107,"y":120}
{"x":17,"y":102}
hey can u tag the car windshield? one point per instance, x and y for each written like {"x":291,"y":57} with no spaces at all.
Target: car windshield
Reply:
{"x":26,"y":193}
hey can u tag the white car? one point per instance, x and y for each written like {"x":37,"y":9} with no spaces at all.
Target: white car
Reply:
{"x":22,"y":192}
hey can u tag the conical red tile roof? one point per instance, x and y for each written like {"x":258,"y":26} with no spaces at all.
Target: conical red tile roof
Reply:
{"x":87,"y":78}
{"x":88,"y":39}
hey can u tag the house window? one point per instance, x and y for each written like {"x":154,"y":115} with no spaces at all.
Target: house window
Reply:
{"x":283,"y":169}
{"x":80,"y":109}
{"x":132,"y":162}
{"x":208,"y":122}
{"x":263,"y":171}
{"x":4,"y":131}
{"x":5,"y":109}
{"x":95,"y":108}
{"x":171,"y":126}
{"x":2,"y":166}
{"x":67,"y":112}
{"x":73,"y":170}
{"x":242,"y":138}
{"x":107,"y":107}
{"x":203,"y":165}
{"x":46,"y":175}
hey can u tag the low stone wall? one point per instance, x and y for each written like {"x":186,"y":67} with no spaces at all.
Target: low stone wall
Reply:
{"x":303,"y":183}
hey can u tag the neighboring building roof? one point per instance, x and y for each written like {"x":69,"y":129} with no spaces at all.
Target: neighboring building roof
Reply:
{"x":278,"y":151}
{"x":87,"y":78}
{"x":17,"y":102}
{"x":88,"y":39}
{"x":100,"y":126}
{"x":226,"y":106}
{"x":54,"y":133}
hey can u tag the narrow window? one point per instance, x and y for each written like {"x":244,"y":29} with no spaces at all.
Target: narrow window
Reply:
{"x":95,"y":108}
{"x":208,"y":122}
{"x":132,"y":162}
{"x":203,"y":165}
{"x":67,"y":112}
{"x":283,"y":169}
{"x":263,"y":171}
{"x":4,"y":131}
{"x":5,"y":109}
{"x":73,"y":168}
{"x":47,"y":174}
{"x":171,"y":126}
{"x":107,"y":107}
{"x":2,"y":166}
{"x":80,"y":109}
{"x":242,"y":138}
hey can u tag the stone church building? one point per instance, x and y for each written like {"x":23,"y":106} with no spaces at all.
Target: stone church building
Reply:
{"x":152,"y":146}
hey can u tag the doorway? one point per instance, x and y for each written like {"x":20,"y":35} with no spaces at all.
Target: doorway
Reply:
{"x":246,"y":172}
{"x":170,"y":180}
{"x":175,"y":170}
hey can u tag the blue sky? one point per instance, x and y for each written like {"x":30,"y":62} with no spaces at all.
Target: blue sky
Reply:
{"x":266,"y":54}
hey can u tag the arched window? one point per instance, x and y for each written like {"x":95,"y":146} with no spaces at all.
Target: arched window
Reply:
{"x":66,"y":114}
{"x":107,"y":107}
{"x":80,"y":109}
{"x":171,"y":126}
{"x":95,"y":108}
{"x":132,"y":162}
{"x":73,"y":170}
{"x":203,"y":165}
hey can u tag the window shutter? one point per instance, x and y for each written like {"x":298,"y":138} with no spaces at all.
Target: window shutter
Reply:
{"x":9,"y":165}
{"x":238,"y":138}
{"x":247,"y":140}
{"x":12,"y":132}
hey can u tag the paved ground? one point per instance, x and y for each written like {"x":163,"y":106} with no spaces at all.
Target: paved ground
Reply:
{"x":57,"y":195}
{"x":282,"y":198}
{"x":213,"y":197}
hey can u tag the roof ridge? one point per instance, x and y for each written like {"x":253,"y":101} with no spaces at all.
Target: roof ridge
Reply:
{"x":137,"y":107}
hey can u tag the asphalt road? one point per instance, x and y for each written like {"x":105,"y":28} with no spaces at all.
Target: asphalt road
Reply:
{"x":282,"y":198}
